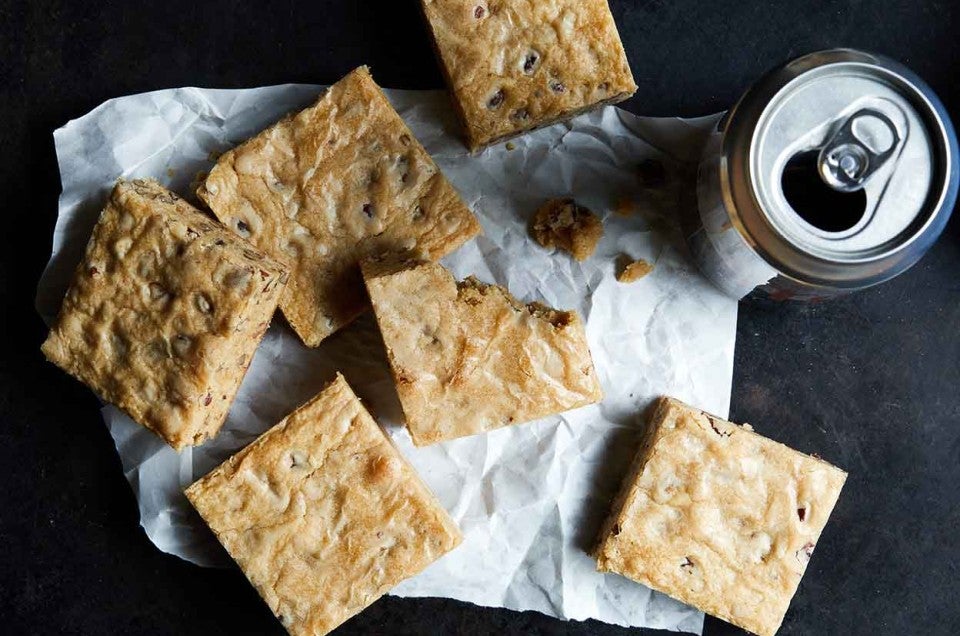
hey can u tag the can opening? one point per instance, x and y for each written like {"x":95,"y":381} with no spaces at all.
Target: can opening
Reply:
{"x":816,"y":202}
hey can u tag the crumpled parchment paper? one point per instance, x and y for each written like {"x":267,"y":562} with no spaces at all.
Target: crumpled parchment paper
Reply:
{"x":529,"y":498}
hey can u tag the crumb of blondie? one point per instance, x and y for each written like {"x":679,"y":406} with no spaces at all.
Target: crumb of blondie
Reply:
{"x":565,"y":224}
{"x":629,"y":270}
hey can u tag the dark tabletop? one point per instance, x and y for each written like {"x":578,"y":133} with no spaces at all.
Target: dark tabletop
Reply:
{"x":871,"y":382}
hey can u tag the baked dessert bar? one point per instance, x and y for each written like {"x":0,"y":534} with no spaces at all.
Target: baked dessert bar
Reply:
{"x":165,"y":312}
{"x":323,"y":514}
{"x":718,"y":517}
{"x":515,"y":66}
{"x":335,"y":182}
{"x":467,"y":357}
{"x":567,"y":225}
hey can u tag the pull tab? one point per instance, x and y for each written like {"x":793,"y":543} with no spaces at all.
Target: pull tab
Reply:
{"x":860,"y":147}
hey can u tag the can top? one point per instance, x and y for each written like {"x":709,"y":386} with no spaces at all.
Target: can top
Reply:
{"x":837,"y":163}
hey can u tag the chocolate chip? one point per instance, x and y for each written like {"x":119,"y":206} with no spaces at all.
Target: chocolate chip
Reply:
{"x":219,"y":242}
{"x":405,"y":139}
{"x":530,"y":62}
{"x":802,"y":513}
{"x":479,"y":12}
{"x":496,"y":99}
{"x":368,"y":210}
{"x":616,"y":529}
{"x":557,"y":87}
{"x":207,"y":399}
{"x":94,"y":271}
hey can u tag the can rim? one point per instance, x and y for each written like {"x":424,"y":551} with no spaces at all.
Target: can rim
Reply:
{"x":746,"y":213}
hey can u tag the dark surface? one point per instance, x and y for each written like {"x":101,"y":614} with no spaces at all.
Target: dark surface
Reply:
{"x":870,"y":382}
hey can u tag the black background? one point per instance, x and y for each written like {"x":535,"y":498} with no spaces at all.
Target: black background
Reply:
{"x":870,"y":382}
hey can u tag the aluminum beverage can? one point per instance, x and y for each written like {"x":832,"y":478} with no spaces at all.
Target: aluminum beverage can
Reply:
{"x":833,"y":173}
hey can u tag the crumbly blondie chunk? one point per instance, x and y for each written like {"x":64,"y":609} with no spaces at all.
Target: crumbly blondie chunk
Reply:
{"x":564,"y":224}
{"x":629,"y":271}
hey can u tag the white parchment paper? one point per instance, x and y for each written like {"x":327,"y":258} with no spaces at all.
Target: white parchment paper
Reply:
{"x":528,"y":498}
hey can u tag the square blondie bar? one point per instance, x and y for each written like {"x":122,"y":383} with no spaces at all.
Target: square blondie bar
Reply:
{"x":467,"y":357}
{"x":321,"y":189}
{"x":165,"y":312}
{"x":323,"y":514}
{"x":516,"y":66}
{"x":718,"y":517}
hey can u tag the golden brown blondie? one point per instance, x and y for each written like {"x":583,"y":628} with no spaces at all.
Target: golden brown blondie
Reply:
{"x":718,"y":517}
{"x":323,"y":514}
{"x":516,"y":65}
{"x":165,"y":312}
{"x":323,"y":188}
{"x":467,"y":357}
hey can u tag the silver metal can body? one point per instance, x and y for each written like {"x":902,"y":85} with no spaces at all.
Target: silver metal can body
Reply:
{"x":835,"y":172}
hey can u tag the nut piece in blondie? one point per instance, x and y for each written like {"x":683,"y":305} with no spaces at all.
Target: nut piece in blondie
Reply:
{"x":321,"y":189}
{"x":564,"y":224}
{"x":516,"y":66}
{"x":165,"y":312}
{"x":718,"y":517}
{"x":323,"y":514}
{"x":467,"y":357}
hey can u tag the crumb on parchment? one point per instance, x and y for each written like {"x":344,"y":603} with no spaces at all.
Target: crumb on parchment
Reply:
{"x":565,"y":224}
{"x":630,"y":270}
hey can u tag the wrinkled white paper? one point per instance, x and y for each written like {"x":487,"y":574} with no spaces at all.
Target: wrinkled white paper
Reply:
{"x":528,"y":498}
